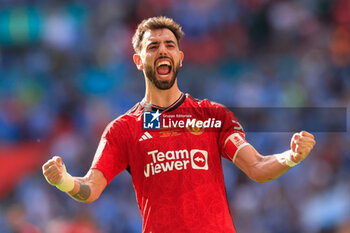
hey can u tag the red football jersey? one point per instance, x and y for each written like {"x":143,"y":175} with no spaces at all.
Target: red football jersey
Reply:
{"x":176,"y":168}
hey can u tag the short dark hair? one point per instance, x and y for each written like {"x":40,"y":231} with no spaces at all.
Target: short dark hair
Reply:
{"x":155,"y":23}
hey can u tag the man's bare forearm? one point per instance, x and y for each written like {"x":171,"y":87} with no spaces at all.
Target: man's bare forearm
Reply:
{"x":261,"y":168}
{"x":81,"y":191}
{"x":88,"y":188}
{"x":269,"y":168}
{"x":265,"y":168}
{"x":84,"y":189}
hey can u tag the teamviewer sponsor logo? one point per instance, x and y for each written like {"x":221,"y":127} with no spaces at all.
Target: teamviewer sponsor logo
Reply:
{"x":175,"y":161}
{"x":151,"y":120}
{"x":199,"y":159}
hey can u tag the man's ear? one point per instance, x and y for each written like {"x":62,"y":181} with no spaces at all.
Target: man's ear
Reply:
{"x":137,"y":61}
{"x":181,"y":58}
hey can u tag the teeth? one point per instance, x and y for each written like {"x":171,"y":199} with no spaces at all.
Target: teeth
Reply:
{"x":163,"y":63}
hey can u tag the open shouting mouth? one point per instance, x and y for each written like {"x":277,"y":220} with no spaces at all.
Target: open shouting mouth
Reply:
{"x":163,"y":67}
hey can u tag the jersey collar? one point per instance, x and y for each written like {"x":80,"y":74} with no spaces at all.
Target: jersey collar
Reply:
{"x":152,"y":108}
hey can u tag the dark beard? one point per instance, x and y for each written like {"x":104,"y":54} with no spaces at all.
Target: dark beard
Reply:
{"x":161,"y":84}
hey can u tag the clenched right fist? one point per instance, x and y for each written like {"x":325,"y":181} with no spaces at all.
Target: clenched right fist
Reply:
{"x":53,"y":170}
{"x":56,"y":174}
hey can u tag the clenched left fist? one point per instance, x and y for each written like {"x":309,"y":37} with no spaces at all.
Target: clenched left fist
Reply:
{"x":301,"y":145}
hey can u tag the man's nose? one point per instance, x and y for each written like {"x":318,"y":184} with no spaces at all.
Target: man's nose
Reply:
{"x":162,"y":49}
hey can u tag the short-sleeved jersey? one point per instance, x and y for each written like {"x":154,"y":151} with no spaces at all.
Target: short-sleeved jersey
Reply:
{"x":176,"y":168}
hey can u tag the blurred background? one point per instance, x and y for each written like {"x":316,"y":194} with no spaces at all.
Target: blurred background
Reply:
{"x":66,"y":70}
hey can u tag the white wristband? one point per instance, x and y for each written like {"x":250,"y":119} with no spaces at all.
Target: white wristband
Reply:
{"x":286,"y":158}
{"x":66,"y":183}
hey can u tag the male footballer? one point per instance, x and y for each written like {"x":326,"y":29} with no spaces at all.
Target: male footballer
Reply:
{"x":172,"y":145}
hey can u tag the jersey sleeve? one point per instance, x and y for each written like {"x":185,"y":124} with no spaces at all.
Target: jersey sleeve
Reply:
{"x":111,"y":154}
{"x":231,"y":135}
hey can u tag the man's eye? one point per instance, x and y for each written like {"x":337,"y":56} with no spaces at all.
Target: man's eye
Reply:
{"x":152,"y":47}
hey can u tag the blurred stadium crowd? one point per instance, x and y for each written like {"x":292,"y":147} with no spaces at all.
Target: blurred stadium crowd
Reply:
{"x":66,"y":70}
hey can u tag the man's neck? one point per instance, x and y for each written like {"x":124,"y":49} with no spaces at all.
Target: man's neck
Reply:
{"x":162,"y":98}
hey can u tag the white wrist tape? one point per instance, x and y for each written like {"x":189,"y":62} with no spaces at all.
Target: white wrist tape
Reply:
{"x":286,"y":158}
{"x":66,"y":183}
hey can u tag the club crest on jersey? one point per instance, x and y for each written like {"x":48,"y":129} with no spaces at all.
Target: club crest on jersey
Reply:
{"x":151,"y":120}
{"x":195,"y":130}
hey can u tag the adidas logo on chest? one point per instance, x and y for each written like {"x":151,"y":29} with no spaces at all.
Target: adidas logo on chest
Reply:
{"x":145,"y":136}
